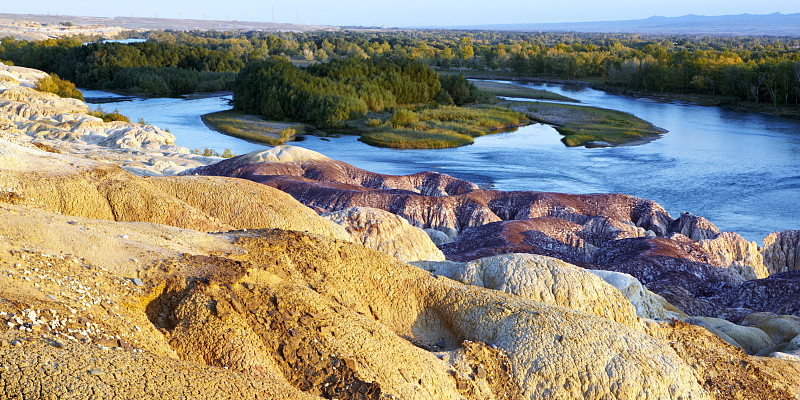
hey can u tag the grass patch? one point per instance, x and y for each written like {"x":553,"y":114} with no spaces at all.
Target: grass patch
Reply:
{"x":411,"y":127}
{"x":510,"y":90}
{"x":589,"y":126}
{"x":434,"y":128}
{"x":253,"y":128}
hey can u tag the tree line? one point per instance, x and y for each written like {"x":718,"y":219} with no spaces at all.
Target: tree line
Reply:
{"x":755,"y":69}
{"x":150,"y":68}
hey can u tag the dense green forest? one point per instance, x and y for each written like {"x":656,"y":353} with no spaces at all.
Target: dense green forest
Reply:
{"x":150,"y":68}
{"x":747,"y":69}
{"x":329,"y":93}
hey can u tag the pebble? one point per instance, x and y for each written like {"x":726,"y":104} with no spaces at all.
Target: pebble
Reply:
{"x":95,"y":372}
{"x":16,"y":343}
{"x":59,"y":344}
{"x":138,"y":282}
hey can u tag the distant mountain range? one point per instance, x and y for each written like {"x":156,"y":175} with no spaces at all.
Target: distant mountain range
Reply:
{"x":743,"y":24}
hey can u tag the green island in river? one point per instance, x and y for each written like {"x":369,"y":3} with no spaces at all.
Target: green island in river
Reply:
{"x":453,"y":126}
{"x":402,"y":103}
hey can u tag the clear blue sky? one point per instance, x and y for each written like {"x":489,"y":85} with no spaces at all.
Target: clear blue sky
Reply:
{"x":404,"y":13}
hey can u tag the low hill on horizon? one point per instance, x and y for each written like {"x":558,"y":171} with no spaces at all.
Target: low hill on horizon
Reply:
{"x":776,"y":24}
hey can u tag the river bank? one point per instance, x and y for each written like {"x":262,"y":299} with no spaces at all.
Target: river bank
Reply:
{"x":599,"y":84}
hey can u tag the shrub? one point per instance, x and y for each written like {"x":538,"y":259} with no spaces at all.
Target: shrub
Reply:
{"x":403,"y":117}
{"x":61,"y":87}
{"x":109,"y":116}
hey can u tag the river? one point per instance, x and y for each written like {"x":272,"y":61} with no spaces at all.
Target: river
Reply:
{"x":741,"y":170}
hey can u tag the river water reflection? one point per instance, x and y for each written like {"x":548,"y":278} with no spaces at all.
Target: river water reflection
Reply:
{"x":740,"y":170}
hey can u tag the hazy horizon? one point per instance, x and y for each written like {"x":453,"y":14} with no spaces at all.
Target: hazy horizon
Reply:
{"x":407,"y":13}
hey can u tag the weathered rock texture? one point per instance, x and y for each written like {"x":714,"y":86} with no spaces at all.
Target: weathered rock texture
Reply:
{"x":782,"y":251}
{"x":730,"y":250}
{"x":433,"y":200}
{"x":74,"y":186}
{"x":543,"y":279}
{"x":694,"y":227}
{"x":387,"y":233}
{"x":647,"y":304}
{"x":64,"y":123}
{"x":776,"y":294}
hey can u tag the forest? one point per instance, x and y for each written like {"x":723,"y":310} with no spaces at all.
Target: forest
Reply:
{"x":737,"y":69}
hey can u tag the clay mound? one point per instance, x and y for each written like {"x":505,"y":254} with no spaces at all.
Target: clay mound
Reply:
{"x":78,"y":187}
{"x":694,"y":227}
{"x":279,"y":154}
{"x":776,"y":294}
{"x":543,"y":279}
{"x":660,"y":263}
{"x":548,"y":236}
{"x":750,"y":339}
{"x":387,"y":233}
{"x":647,"y":304}
{"x":293,"y":161}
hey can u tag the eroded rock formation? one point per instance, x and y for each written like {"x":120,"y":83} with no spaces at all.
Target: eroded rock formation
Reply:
{"x":387,"y":233}
{"x":782,"y":251}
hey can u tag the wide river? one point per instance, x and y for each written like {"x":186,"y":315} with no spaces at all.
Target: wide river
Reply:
{"x":741,"y":170}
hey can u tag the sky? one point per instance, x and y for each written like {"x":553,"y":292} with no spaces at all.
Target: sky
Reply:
{"x":405,"y":13}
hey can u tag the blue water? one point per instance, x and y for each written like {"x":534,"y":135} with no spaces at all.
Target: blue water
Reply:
{"x":741,"y":170}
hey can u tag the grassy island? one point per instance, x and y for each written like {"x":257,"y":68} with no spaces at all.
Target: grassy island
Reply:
{"x":389,"y":102}
{"x":436,"y":128}
{"x":254,"y":128}
{"x":589,"y":126}
{"x":510,"y":90}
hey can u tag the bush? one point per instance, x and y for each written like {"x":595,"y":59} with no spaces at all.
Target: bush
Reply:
{"x":403,"y":117}
{"x":109,"y":116}
{"x":459,"y":91}
{"x":61,"y":87}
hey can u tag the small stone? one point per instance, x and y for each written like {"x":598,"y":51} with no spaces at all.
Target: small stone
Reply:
{"x":95,"y":372}
{"x":480,"y":372}
{"x":59,"y":344}
{"x":138,"y":282}
{"x":16,"y":343}
{"x":125,"y":237}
